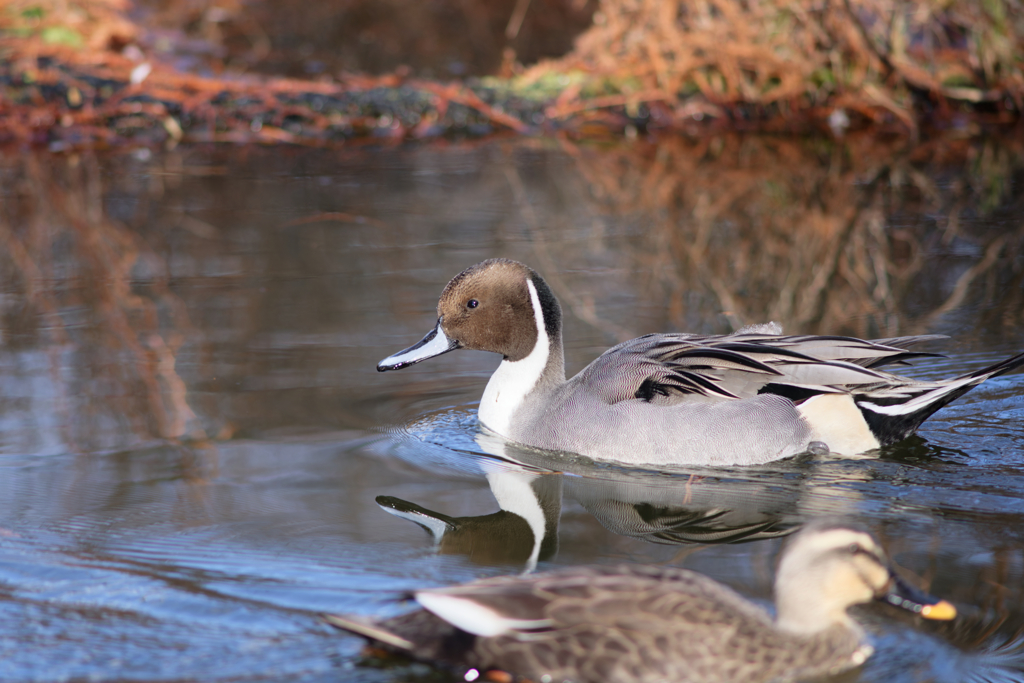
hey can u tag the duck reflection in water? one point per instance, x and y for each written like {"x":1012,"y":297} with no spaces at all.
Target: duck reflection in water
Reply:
{"x":654,"y":507}
{"x":523,"y":531}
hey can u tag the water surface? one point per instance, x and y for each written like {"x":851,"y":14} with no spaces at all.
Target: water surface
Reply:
{"x":194,"y":438}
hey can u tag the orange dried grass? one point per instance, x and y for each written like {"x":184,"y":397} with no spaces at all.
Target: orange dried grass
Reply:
{"x":870,"y":52}
{"x":99,"y":23}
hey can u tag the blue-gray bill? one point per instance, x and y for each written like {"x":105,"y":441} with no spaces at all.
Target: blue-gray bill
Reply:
{"x":434,"y":344}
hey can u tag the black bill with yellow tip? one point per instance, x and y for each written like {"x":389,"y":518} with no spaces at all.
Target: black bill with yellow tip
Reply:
{"x":903,"y":595}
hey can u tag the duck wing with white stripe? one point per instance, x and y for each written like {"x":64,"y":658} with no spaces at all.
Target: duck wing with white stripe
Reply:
{"x":667,"y":369}
{"x":671,"y":369}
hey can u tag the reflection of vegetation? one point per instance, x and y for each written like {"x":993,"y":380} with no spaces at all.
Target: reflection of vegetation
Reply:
{"x":991,"y":628}
{"x":87,"y":287}
{"x":858,"y":238}
{"x":819,"y":240}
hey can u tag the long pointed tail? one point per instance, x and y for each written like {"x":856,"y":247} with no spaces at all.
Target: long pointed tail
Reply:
{"x":895,"y":413}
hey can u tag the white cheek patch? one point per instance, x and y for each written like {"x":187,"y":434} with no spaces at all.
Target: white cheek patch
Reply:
{"x":513,"y":380}
{"x":472,"y":617}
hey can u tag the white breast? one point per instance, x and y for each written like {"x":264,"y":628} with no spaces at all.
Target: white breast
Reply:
{"x":513,"y":380}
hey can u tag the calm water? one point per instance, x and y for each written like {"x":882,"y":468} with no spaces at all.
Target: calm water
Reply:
{"x":198,"y":456}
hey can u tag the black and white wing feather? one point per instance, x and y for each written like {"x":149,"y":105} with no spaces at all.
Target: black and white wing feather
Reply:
{"x":667,"y":368}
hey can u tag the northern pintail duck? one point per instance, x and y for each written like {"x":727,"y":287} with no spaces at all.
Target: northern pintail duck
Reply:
{"x":634,"y":624}
{"x":744,"y":398}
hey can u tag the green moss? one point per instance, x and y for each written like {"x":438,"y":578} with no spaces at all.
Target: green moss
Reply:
{"x":777,"y":193}
{"x":689,"y":89}
{"x":62,"y":35}
{"x":958,"y":81}
{"x":547,"y":87}
{"x":996,"y":10}
{"x":823,"y":77}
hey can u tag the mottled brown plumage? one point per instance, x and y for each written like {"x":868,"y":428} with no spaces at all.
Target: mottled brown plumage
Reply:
{"x":648,"y":624}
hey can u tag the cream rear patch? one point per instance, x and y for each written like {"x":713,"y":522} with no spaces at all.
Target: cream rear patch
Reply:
{"x":836,"y":420}
{"x":513,"y":380}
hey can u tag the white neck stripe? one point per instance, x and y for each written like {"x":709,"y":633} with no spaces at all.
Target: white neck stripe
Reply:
{"x":513,"y":380}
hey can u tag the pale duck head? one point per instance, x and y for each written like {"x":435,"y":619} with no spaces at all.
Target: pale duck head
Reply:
{"x":827,"y":569}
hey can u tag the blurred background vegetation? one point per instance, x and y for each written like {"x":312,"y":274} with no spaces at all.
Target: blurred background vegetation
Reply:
{"x":666,"y":63}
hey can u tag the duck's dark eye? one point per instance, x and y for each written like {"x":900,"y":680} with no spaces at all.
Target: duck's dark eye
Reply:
{"x":472,"y":303}
{"x":854,"y":548}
